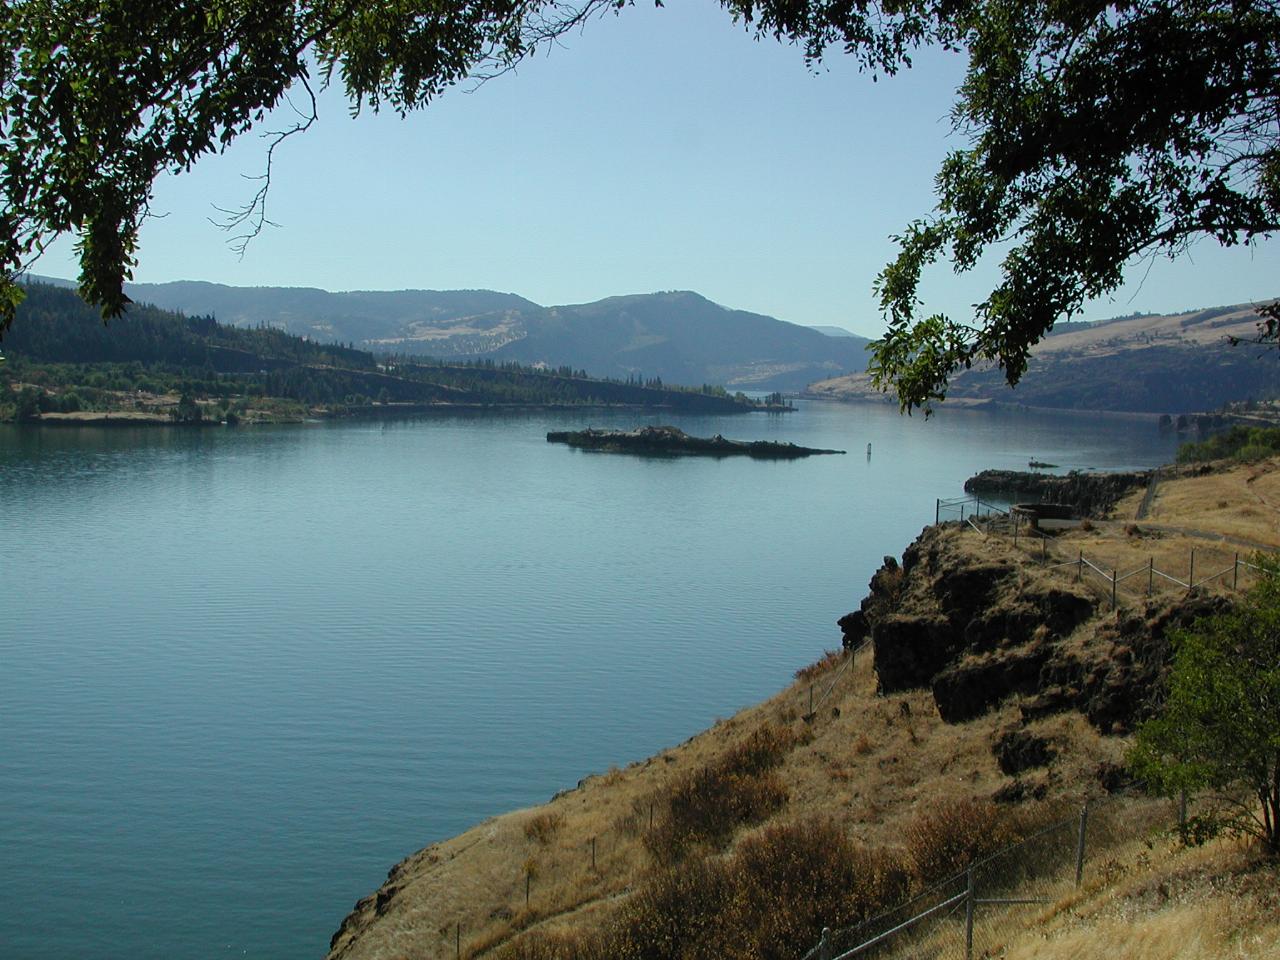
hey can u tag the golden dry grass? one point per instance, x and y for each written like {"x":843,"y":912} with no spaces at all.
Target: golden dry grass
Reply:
{"x":1236,"y":500}
{"x":1165,"y":902}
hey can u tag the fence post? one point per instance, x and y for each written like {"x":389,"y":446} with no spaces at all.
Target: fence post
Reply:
{"x":593,"y":853}
{"x":1235,"y":573}
{"x":1191,"y":574}
{"x":962,"y":513}
{"x":1044,"y":549}
{"x":937,"y":510}
{"x":968,"y":914}
{"x":1080,"y":566}
{"x":1015,"y":527}
{"x":824,"y":945}
{"x":1084,"y":823}
{"x":1151,"y":575}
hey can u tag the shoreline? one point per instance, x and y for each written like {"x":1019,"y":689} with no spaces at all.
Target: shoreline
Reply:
{"x":125,"y":418}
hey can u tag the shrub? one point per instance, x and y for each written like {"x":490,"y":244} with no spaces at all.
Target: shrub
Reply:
{"x":943,"y":840}
{"x":1219,"y":728}
{"x":829,"y":659}
{"x":1240,"y":442}
{"x":706,"y":807}
{"x":763,"y":750}
{"x":675,"y":915}
{"x":770,"y":899}
{"x":789,"y":881}
{"x":543,"y":826}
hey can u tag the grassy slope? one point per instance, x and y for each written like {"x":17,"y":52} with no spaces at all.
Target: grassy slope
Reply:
{"x":872,"y":763}
{"x":1180,"y":363}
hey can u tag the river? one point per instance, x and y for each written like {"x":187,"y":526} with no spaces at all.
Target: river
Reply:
{"x":244,"y":671}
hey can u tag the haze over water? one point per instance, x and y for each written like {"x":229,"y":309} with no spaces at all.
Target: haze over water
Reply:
{"x":243,"y":672}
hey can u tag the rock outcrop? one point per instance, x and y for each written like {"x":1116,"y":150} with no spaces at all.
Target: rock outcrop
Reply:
{"x":975,"y":624}
{"x":1089,"y":494}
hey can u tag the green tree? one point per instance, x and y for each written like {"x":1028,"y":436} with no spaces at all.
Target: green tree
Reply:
{"x":27,"y":407}
{"x":1219,"y":729}
{"x":188,"y":410}
{"x":1095,"y":132}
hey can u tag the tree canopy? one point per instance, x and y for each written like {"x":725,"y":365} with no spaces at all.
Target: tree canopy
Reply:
{"x":1093,"y":133}
{"x":1218,"y":732}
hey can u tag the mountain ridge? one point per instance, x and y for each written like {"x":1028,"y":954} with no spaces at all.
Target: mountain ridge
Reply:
{"x":678,"y":336}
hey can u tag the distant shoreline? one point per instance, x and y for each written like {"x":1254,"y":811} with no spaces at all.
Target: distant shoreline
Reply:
{"x":130,"y":418}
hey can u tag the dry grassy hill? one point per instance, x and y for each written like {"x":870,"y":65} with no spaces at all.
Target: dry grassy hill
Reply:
{"x":1180,"y":363}
{"x":748,"y":838}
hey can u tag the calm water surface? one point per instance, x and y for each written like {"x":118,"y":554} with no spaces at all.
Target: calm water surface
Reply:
{"x":243,"y":672}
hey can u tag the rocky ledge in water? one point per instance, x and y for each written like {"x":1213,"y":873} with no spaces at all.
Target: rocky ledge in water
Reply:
{"x":668,"y":441}
{"x":1091,"y":494}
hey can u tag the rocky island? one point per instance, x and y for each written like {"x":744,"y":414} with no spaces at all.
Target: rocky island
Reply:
{"x":672,"y":441}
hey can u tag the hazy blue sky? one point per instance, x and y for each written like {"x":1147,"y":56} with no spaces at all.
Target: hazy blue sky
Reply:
{"x":660,"y":149}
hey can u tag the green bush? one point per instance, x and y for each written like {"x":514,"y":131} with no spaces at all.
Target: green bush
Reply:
{"x":1240,"y":442}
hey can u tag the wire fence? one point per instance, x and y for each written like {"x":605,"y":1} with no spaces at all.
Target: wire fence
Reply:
{"x":849,"y":659}
{"x":1143,"y":580}
{"x":963,"y":508}
{"x":977,"y":912}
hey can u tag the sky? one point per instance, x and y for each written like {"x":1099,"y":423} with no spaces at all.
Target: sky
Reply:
{"x":658,"y":149}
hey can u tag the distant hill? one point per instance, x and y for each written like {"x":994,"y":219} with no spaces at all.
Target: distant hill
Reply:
{"x":679,"y":337}
{"x":1175,"y":363}
{"x":832,"y":331}
{"x":60,"y":343}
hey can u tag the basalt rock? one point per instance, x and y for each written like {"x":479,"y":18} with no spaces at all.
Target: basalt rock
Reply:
{"x":957,"y":617}
{"x":961,"y":624}
{"x":1119,"y":690}
{"x":1019,"y":790}
{"x":1090,"y":494}
{"x":1019,"y":750}
{"x":885,"y":587}
{"x":910,"y":650}
{"x":972,"y":686}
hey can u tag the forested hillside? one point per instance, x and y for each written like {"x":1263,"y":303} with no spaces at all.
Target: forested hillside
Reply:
{"x":61,"y":359}
{"x":677,"y":336}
